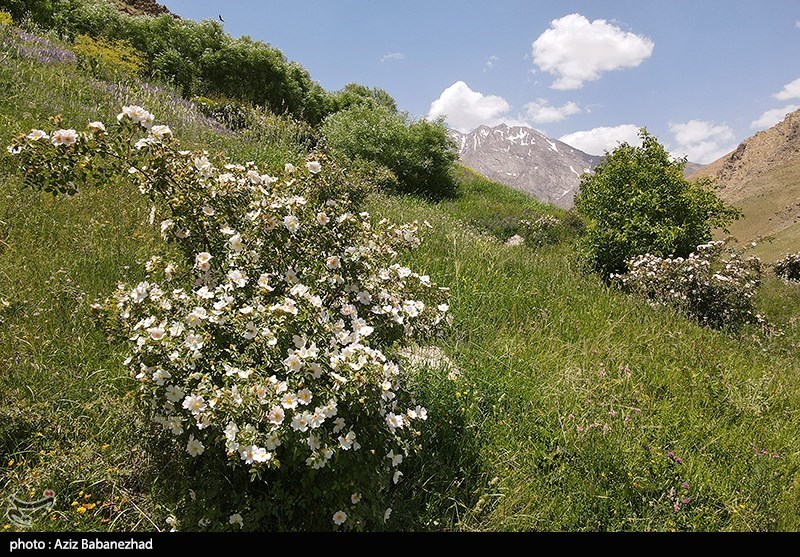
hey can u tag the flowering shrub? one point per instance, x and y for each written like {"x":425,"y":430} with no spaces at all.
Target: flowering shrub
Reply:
{"x":267,"y":335}
{"x":788,"y":268}
{"x":716,"y":290}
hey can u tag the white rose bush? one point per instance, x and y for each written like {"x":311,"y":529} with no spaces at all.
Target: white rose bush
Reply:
{"x":264,"y":330}
{"x":714,"y":285}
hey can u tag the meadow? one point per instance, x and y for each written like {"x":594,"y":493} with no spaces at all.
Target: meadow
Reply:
{"x":555,"y":402}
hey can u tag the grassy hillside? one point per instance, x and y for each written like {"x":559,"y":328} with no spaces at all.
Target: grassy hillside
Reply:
{"x":555,"y":403}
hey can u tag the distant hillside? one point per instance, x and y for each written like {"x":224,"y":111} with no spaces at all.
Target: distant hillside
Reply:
{"x":762,"y":177}
{"x":526,"y":160}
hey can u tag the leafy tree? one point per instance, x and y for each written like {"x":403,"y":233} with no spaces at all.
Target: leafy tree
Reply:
{"x":420,"y":153}
{"x":638,"y":201}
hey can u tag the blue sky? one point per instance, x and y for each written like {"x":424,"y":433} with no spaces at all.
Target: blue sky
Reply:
{"x":701,"y":75}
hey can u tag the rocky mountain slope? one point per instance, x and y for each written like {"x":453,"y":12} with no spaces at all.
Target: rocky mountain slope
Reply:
{"x":526,"y":160}
{"x":762,"y":178}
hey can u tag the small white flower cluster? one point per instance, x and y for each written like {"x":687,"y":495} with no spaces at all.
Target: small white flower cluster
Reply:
{"x":716,"y":290}
{"x":788,"y":267}
{"x":268,"y":337}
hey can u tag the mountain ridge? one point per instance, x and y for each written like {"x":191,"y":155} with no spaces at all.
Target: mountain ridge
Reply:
{"x":526,"y":160}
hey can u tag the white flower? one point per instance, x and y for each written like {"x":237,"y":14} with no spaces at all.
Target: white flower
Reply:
{"x":288,"y":168}
{"x":300,"y":422}
{"x":97,"y":126}
{"x":276,"y":415}
{"x":174,"y":425}
{"x":194,"y":403}
{"x":355,"y":498}
{"x":203,"y":166}
{"x":289,"y":401}
{"x":160,"y":375}
{"x":237,"y":277}
{"x":236,"y":519}
{"x":260,"y":454}
{"x":395,"y":421}
{"x":196,"y":316}
{"x":161,"y":132}
{"x":333,"y":262}
{"x":176,"y":329}
{"x":387,"y":514}
{"x":313,"y":442}
{"x":202,"y":259}
{"x":64,"y":137}
{"x":194,"y":447}
{"x":140,"y":292}
{"x":236,"y":242}
{"x":313,"y":167}
{"x":339,"y":517}
{"x":396,"y":459}
{"x":293,"y":362}
{"x":36,"y":135}
{"x":263,"y":282}
{"x":208,"y":211}
{"x":322,"y":218}
{"x":136,"y":114}
{"x":291,"y":223}
{"x":156,"y":333}
{"x":173,"y":393}
{"x":304,"y":397}
{"x":397,"y":475}
{"x":193,"y":341}
{"x":231,"y":430}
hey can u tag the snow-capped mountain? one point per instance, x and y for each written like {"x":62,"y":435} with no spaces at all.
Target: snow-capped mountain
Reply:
{"x":526,"y":160}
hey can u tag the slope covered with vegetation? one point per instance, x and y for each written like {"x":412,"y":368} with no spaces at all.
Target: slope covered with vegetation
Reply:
{"x":554,"y":401}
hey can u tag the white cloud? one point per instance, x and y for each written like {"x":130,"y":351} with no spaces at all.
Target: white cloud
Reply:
{"x":598,"y":140}
{"x":393,"y":56}
{"x":576,"y":50}
{"x":772,"y":117}
{"x":790,"y":91}
{"x":465,"y":109}
{"x":702,"y":141}
{"x":491,"y":62}
{"x":541,"y":111}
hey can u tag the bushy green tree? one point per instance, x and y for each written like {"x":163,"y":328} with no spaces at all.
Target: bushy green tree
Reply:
{"x":419,"y":153}
{"x":638,"y":201}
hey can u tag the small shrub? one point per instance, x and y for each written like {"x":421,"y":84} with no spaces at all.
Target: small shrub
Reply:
{"x":264,"y":331}
{"x":108,"y":59}
{"x":713,"y":287}
{"x":788,"y":268}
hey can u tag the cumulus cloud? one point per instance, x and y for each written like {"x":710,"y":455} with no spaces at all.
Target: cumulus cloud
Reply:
{"x":790,"y":91}
{"x":702,"y":141}
{"x":598,"y":140}
{"x":577,"y":50}
{"x":465,"y":109}
{"x":490,"y":62}
{"x":393,"y":56}
{"x":541,"y":111}
{"x":772,"y":117}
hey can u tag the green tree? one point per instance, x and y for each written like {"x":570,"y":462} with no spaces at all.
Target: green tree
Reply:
{"x":638,"y":201}
{"x":419,"y":153}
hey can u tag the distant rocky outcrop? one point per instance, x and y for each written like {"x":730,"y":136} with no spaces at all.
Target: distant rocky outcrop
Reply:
{"x":526,"y":160}
{"x":756,"y":156}
{"x":762,"y":178}
{"x":142,"y":7}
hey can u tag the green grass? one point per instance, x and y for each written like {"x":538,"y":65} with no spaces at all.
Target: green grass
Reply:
{"x":567,"y":400}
